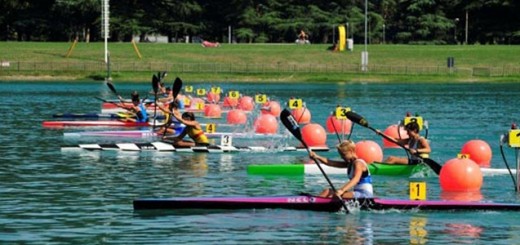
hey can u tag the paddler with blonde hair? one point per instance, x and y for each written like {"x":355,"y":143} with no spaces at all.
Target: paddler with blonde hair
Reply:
{"x":360,"y":183}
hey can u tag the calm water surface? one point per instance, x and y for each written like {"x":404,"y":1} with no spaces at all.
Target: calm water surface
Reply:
{"x":50,"y":197}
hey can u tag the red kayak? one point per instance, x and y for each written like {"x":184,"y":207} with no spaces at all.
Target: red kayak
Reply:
{"x":60,"y":124}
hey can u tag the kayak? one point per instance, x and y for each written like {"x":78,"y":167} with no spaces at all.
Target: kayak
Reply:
{"x":91,"y":115}
{"x":314,"y":203}
{"x":146,"y":133}
{"x":375,"y":168}
{"x":303,"y":169}
{"x":116,"y":123}
{"x":167,"y":147}
{"x":120,"y":115}
{"x":100,"y":123}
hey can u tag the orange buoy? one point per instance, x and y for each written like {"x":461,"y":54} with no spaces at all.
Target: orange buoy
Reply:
{"x":266,"y":124}
{"x":236,"y":116}
{"x":213,"y":97}
{"x":478,"y":151}
{"x":314,"y":134}
{"x":460,"y":174}
{"x":271,"y":107}
{"x":369,"y":151}
{"x":246,"y":103}
{"x":340,"y":126}
{"x":395,"y":132}
{"x":230,"y":102}
{"x":302,"y":115}
{"x":212,"y":110}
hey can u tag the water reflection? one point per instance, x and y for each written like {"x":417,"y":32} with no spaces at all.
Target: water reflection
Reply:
{"x":464,"y":230}
{"x":418,"y":232}
{"x":461,"y":196}
{"x":356,"y":231}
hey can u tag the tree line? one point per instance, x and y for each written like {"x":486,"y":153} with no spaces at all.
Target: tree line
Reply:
{"x":259,"y":21}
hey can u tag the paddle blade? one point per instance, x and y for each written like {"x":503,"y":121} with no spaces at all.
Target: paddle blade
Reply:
{"x":155,"y":84}
{"x":436,"y":167}
{"x":356,"y":118}
{"x":112,"y":88}
{"x":177,"y":85}
{"x":290,"y":123}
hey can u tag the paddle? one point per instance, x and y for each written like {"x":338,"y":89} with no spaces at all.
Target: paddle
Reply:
{"x":155,"y":87}
{"x":290,"y":123}
{"x":356,"y":118}
{"x":176,"y":88}
{"x":113,"y":89}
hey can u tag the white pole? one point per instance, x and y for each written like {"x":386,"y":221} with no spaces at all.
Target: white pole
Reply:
{"x":517,"y":170}
{"x":229,"y":34}
{"x":364,"y":55}
{"x":105,"y":25}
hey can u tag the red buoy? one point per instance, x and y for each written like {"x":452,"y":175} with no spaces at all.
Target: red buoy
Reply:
{"x":230,"y":102}
{"x":246,"y":103}
{"x":340,"y":126}
{"x":369,"y":151}
{"x":236,"y":116}
{"x":271,"y":107}
{"x":212,"y":110}
{"x":395,"y":132}
{"x":460,"y":174}
{"x":213,"y":97}
{"x":266,"y":124}
{"x":314,"y":134}
{"x":478,"y":151}
{"x":302,"y":115}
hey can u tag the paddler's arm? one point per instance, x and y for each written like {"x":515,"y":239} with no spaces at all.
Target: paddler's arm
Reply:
{"x":424,"y":149}
{"x":178,"y":116}
{"x":326,"y":161}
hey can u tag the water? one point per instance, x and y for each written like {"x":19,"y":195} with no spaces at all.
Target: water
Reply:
{"x":51,"y":197}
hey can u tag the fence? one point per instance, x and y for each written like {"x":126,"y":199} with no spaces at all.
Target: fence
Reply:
{"x":253,"y":68}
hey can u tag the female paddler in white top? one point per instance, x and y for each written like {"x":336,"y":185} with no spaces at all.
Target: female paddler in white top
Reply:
{"x":360,"y":183}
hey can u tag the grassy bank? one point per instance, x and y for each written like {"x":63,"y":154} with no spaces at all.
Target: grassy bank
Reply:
{"x":260,"y":62}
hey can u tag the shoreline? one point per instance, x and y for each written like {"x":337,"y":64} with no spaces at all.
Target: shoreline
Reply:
{"x":266,"y":78}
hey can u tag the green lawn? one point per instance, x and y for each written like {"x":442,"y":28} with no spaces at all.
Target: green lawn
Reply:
{"x":387,"y":61}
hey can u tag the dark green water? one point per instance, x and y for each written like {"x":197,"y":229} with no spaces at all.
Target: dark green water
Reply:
{"x":50,"y":197}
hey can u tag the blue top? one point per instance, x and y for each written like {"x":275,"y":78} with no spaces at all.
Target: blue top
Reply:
{"x":143,"y":116}
{"x":365,"y":176}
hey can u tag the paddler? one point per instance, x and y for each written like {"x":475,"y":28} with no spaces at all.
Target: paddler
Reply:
{"x":165,"y":128}
{"x":360,"y":183}
{"x":417,"y":145}
{"x":192,"y":129}
{"x":136,"y":107}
